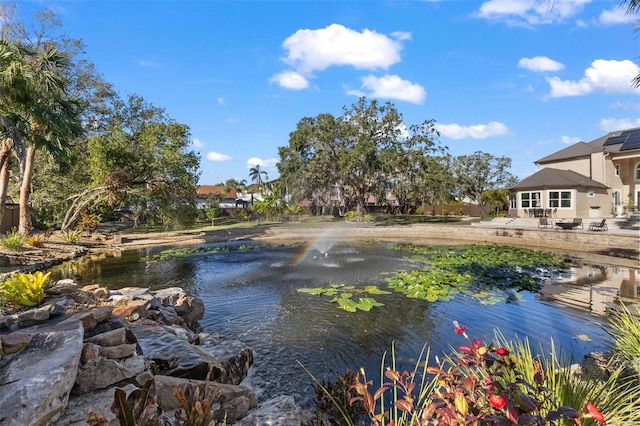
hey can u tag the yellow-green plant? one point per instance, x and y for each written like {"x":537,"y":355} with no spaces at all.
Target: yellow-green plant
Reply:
{"x":12,"y":240}
{"x":35,"y":240}
{"x":624,"y":328}
{"x":25,"y":289}
{"x":70,"y":235}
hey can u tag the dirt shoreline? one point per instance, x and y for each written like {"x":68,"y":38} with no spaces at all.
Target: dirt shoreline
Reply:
{"x":30,"y":259}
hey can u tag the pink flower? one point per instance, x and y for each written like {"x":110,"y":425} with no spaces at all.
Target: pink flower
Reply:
{"x":502,"y":352}
{"x":498,"y":402}
{"x":595,"y":414}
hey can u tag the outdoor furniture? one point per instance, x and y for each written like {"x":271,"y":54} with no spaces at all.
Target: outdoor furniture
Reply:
{"x":598,"y":226}
{"x":543,"y":222}
{"x":578,"y":222}
{"x":567,"y":225}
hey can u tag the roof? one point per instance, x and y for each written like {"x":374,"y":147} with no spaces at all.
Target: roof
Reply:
{"x":549,"y":178}
{"x":613,"y":142}
{"x":204,"y":191}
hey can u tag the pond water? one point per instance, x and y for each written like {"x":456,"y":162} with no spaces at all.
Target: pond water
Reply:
{"x":251,"y":295}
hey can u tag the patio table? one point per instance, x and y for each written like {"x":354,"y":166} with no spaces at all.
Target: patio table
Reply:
{"x":566,"y":225}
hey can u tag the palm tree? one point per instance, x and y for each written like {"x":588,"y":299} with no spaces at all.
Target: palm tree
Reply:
{"x":34,"y":100}
{"x":258,"y":175}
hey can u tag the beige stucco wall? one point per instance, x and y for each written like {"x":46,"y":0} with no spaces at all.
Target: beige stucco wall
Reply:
{"x":582,"y":166}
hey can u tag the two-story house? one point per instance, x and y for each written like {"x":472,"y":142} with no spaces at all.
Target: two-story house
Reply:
{"x":593,"y":179}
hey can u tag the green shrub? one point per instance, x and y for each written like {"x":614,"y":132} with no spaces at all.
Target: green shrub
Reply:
{"x":35,"y":240}
{"x":419,"y":211}
{"x":70,"y":235}
{"x":25,"y":289}
{"x":624,"y":328}
{"x":459,"y":211}
{"x":13,"y":240}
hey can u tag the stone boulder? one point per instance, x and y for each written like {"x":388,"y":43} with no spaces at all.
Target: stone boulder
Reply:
{"x":235,"y":401}
{"x":37,"y":381}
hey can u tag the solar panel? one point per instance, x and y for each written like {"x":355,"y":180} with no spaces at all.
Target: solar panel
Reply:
{"x":613,"y":140}
{"x":632,"y":142}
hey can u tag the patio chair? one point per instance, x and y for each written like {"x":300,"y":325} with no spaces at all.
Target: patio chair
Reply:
{"x":578,"y":220}
{"x":598,"y":226}
{"x":543,"y":222}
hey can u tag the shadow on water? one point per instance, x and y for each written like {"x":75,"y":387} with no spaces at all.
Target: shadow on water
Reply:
{"x":251,"y":295}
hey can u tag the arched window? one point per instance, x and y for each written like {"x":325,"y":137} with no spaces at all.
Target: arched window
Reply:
{"x":637,"y":173}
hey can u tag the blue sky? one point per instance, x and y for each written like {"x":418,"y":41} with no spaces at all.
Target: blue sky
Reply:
{"x":513,"y":78}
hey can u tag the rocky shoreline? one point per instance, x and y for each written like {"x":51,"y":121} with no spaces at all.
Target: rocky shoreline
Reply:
{"x":64,"y":359}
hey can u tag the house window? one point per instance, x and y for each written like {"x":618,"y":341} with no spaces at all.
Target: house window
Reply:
{"x":591,"y":193}
{"x":530,"y":200}
{"x":560,"y":199}
{"x":513,"y":201}
{"x":637,"y":172}
{"x":617,"y":169}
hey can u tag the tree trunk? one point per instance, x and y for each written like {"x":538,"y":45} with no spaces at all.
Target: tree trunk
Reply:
{"x":4,"y":184}
{"x":25,"y":226}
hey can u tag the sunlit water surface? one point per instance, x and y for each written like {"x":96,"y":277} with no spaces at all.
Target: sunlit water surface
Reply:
{"x":251,"y":295}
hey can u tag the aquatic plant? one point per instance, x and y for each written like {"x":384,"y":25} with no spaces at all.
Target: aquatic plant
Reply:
{"x":489,"y":273}
{"x":343,"y":296}
{"x":173,"y":254}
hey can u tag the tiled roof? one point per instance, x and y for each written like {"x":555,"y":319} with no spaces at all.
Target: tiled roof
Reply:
{"x":549,"y":178}
{"x":205,"y":190}
{"x":583,"y":149}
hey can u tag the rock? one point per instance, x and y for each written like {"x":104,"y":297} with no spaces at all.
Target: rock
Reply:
{"x":102,"y":314}
{"x":90,"y":353}
{"x":85,"y":317}
{"x":32,"y":316}
{"x":100,"y":374}
{"x":109,"y":338}
{"x":117,"y":352}
{"x":6,"y":321}
{"x":278,"y":411}
{"x":236,"y":401}
{"x":132,"y":310}
{"x":190,"y":309}
{"x":37,"y":382}
{"x":235,"y":356}
{"x":80,"y":406}
{"x":174,"y":356}
{"x":111,"y":323}
{"x":14,"y":342}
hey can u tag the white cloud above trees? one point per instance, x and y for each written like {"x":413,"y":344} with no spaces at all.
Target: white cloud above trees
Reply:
{"x":476,"y":131}
{"x":216,"y":156}
{"x":603,"y":76}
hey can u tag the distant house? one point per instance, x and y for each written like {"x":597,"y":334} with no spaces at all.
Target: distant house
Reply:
{"x":593,"y":179}
{"x":229,"y":199}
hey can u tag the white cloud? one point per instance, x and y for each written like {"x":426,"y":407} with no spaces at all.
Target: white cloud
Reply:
{"x":613,"y":124}
{"x":148,"y":64}
{"x":255,"y":161}
{"x":617,"y":15}
{"x":216,"y":156}
{"x":530,"y":12}
{"x":477,"y":131}
{"x":570,"y":140}
{"x":540,"y":64}
{"x":393,"y":87}
{"x":220,"y":101}
{"x":602,"y":76}
{"x":290,"y":80}
{"x":197,"y":143}
{"x":336,"y":45}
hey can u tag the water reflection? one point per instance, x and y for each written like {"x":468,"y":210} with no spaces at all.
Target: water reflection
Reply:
{"x":252,"y":296}
{"x":593,"y":288}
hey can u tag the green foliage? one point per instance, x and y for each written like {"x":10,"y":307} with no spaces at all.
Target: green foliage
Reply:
{"x":13,"y":240}
{"x":140,"y":408}
{"x":89,"y":222}
{"x":343,"y":296}
{"x":242,"y":214}
{"x":173,"y":254}
{"x":35,"y":240}
{"x":624,"y":328}
{"x":70,"y":236}
{"x":25,"y":289}
{"x":352,"y":216}
{"x":198,"y":405}
{"x":488,"y":273}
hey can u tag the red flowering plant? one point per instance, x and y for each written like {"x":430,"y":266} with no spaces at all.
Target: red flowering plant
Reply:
{"x":477,"y":384}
